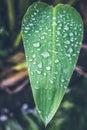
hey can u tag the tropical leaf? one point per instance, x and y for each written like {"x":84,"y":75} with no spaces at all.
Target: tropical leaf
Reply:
{"x":52,"y":39}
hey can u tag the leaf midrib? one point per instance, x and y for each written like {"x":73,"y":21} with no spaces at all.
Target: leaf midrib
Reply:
{"x":53,"y":37}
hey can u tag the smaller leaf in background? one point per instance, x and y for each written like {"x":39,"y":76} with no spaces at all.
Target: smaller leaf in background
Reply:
{"x":13,"y":125}
{"x":17,"y":40}
{"x":16,"y":58}
{"x":20,"y":66}
{"x":31,"y":124}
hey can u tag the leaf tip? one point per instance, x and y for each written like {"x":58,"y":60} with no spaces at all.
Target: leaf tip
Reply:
{"x":45,"y":121}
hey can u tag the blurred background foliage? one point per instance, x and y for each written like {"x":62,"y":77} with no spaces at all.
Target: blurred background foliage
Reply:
{"x":17,"y":108}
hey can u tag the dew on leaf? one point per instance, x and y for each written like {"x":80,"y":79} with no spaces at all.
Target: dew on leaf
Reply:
{"x":35,"y":13}
{"x":49,"y":98}
{"x":39,"y":72}
{"x":56,"y":72}
{"x":66,"y":46}
{"x":33,"y":18}
{"x":49,"y":30}
{"x":68,"y":55}
{"x":33,"y":55}
{"x":76,"y":45}
{"x":72,"y":40}
{"x":56,"y":61}
{"x":36,"y":87}
{"x":66,"y":27}
{"x":64,"y":71}
{"x":58,"y":32}
{"x":26,"y":31}
{"x":65,"y":35}
{"x":54,"y":18}
{"x":31,"y":24}
{"x":34,"y":63}
{"x":32,"y":73}
{"x":45,"y":54}
{"x":51,"y":81}
{"x":54,"y":77}
{"x":37,"y":31}
{"x":70,"y":50}
{"x":44,"y":74}
{"x":54,"y":23}
{"x":30,"y":60}
{"x":48,"y":68}
{"x":36,"y":44}
{"x":44,"y":33}
{"x":40,"y":28}
{"x":67,"y":42}
{"x":65,"y":87}
{"x":73,"y":55}
{"x":59,"y":28}
{"x":58,"y":44}
{"x":38,"y":49}
{"x":42,"y":37}
{"x":40,"y":65}
{"x":60,"y":25}
{"x":37,"y":82}
{"x":71,"y":34}
{"x":27,"y":28}
{"x":29,"y":34}
{"x":62,"y":80}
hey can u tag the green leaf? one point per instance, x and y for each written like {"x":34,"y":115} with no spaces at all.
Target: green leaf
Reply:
{"x":52,"y":39}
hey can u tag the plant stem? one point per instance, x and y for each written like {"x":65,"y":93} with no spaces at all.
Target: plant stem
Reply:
{"x":23,"y":5}
{"x":57,"y":1}
{"x":40,"y":0}
{"x":11,"y":14}
{"x":71,"y":2}
{"x":17,"y":40}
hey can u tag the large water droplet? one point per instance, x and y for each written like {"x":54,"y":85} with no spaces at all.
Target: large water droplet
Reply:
{"x":67,"y":42}
{"x":68,"y":55}
{"x":34,"y":63}
{"x":30,"y":24}
{"x":56,"y":73}
{"x":65,"y":87}
{"x":30,"y":60}
{"x":36,"y":87}
{"x":32,"y":73}
{"x":51,"y":81}
{"x":56,"y":61}
{"x":54,"y":23}
{"x":48,"y":68}
{"x":37,"y":82}
{"x":39,"y":72}
{"x":71,"y":34}
{"x":66,"y":27}
{"x":70,"y":50}
{"x":45,"y":54}
{"x":44,"y":74}
{"x":42,"y":37}
{"x":36,"y":44}
{"x":64,"y":71}
{"x":62,"y":80}
{"x":40,"y":65}
{"x":33,"y":55}
{"x":65,"y":35}
{"x":54,"y":18}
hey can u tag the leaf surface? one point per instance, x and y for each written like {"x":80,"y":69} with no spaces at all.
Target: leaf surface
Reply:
{"x":52,"y":39}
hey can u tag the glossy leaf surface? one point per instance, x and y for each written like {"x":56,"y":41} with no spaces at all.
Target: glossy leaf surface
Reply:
{"x":52,"y":39}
